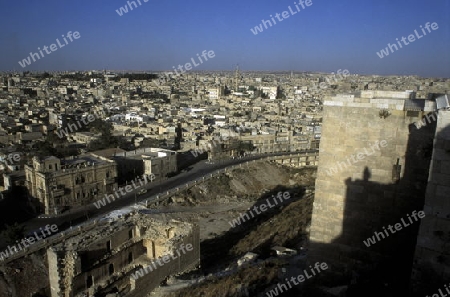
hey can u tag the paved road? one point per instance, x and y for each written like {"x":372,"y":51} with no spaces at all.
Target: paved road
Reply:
{"x":198,"y":170}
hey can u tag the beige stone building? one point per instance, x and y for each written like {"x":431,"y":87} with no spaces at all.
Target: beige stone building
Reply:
{"x":160,"y":162}
{"x":85,"y":137}
{"x":270,"y":143}
{"x":154,"y":162}
{"x":61,"y":183}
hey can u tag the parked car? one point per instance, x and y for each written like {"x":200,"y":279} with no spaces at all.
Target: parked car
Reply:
{"x":143,"y":191}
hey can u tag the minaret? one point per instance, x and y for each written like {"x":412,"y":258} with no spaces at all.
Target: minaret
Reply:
{"x":236,"y":78}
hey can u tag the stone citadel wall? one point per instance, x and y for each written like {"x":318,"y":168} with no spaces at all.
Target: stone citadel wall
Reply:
{"x":372,"y":173}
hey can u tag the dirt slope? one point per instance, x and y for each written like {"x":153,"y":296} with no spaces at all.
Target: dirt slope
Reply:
{"x":284,"y":225}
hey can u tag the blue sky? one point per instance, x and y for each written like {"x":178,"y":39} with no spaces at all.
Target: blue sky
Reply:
{"x":326,"y":36}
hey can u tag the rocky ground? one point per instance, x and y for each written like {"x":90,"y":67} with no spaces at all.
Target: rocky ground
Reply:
{"x":222,"y":199}
{"x":215,"y":203}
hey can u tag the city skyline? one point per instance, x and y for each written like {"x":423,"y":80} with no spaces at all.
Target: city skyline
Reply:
{"x":157,"y":36}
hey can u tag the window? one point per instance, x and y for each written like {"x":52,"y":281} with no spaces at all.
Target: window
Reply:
{"x":396,"y":171}
{"x":130,"y":257}
{"x":108,"y":246}
{"x":79,"y":179}
{"x":413,"y":114}
{"x":130,"y":234}
{"x":111,"y":269}
{"x":89,"y":281}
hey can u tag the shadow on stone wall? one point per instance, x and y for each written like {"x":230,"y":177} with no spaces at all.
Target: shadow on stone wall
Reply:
{"x":383,"y":268}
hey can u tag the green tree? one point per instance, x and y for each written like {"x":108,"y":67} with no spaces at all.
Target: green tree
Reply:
{"x":151,"y":142}
{"x":106,"y":139}
{"x":45,"y":148}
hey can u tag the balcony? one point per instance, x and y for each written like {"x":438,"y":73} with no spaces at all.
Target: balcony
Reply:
{"x":109,"y":181}
{"x":57,"y":192}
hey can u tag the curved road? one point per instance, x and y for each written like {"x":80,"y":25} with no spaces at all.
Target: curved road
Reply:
{"x":198,"y":170}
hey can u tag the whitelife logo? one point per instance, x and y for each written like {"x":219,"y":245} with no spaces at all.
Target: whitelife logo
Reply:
{"x":124,"y":9}
{"x":426,"y":120}
{"x":30,"y":240}
{"x":128,"y":189}
{"x":72,"y":127}
{"x":214,"y":143}
{"x":188,"y":66}
{"x":53,"y":48}
{"x":441,"y":294}
{"x":380,"y":235}
{"x":165,"y":259}
{"x":285,"y":14}
{"x":12,"y":157}
{"x":360,"y":155}
{"x":262,"y":207}
{"x":411,"y":39}
{"x":281,"y":288}
{"x":342,"y":74}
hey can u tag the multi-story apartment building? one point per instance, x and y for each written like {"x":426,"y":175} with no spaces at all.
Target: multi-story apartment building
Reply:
{"x":153,"y":162}
{"x":214,"y":93}
{"x":160,"y":162}
{"x":85,"y":137}
{"x":270,"y":143}
{"x":61,"y":183}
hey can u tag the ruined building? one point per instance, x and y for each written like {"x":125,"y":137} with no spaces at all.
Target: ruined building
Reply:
{"x":373,"y":172}
{"x":107,"y":259}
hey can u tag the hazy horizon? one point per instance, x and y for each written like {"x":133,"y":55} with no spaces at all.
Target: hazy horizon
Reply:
{"x":287,"y":72}
{"x":322,"y":37}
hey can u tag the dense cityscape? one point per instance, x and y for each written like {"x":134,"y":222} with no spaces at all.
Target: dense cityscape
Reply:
{"x":179,"y":149}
